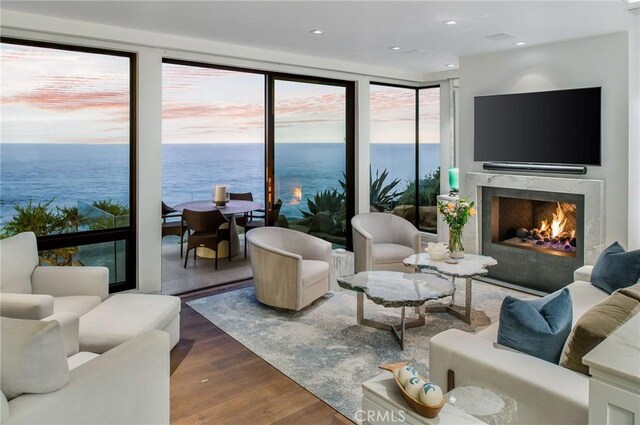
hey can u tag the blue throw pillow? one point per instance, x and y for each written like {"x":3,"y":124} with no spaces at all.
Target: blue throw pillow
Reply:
{"x":616,"y":268}
{"x":539,"y":327}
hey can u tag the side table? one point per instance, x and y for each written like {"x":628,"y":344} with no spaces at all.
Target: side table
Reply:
{"x":614,"y":385}
{"x":341,"y":265}
{"x":383,"y":404}
{"x":468,"y":267}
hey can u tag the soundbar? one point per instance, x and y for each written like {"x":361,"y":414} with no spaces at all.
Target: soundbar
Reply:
{"x":535,"y":168}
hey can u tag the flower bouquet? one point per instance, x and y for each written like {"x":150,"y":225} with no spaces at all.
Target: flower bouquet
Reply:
{"x":456,"y":214}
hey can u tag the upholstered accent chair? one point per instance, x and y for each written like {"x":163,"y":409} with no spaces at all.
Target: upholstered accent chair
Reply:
{"x":382,"y":240}
{"x":290,"y":268}
{"x":31,"y":291}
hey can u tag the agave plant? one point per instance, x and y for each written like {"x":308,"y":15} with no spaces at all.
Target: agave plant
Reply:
{"x":382,"y":196}
{"x":327,"y":213}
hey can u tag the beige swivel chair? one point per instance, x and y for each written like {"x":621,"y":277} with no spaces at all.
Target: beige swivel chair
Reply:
{"x":382,"y":240}
{"x":290,"y":268}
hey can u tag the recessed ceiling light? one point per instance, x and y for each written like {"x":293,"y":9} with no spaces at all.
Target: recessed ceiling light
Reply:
{"x":520,"y":43}
{"x":316,"y":31}
{"x":395,"y":48}
{"x":450,"y":65}
{"x":452,"y":22}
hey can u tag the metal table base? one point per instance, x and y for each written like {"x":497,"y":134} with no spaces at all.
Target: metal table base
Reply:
{"x":396,"y":330}
{"x":451,"y":308}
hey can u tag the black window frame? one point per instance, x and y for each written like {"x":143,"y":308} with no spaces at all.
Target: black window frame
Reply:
{"x":416,"y":141}
{"x":128,"y":233}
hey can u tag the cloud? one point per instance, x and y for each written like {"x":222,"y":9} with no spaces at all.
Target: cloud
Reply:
{"x":67,"y":98}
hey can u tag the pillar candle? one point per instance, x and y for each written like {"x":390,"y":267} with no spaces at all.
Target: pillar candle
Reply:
{"x":221,"y":194}
{"x":453,"y":179}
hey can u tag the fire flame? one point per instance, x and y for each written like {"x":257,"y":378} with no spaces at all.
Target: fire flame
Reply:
{"x":296,"y":196}
{"x":557,"y":224}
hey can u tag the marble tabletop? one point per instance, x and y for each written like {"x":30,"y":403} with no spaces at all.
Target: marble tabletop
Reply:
{"x":469,"y":266}
{"x":396,"y":289}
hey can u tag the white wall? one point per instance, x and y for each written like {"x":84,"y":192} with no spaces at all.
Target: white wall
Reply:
{"x":590,"y":62}
{"x":634,"y":139}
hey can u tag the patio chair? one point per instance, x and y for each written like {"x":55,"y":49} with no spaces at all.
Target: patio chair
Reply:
{"x":251,"y":220}
{"x":175,"y":227}
{"x":204,"y":231}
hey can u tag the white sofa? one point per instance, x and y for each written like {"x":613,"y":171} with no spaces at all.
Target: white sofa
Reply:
{"x":127,"y":385}
{"x":290,"y":268}
{"x":545,"y":393}
{"x":381,"y":241}
{"x":30,"y":291}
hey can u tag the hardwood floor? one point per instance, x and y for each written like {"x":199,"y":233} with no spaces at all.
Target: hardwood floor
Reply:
{"x":216,"y":380}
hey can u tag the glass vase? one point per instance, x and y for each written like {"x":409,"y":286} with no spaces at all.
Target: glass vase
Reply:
{"x":456,"y":249}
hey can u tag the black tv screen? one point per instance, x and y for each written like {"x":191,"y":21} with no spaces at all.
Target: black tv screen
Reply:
{"x":553,"y":127}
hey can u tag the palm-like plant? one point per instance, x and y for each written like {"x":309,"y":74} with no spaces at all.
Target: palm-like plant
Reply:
{"x":382,"y":196}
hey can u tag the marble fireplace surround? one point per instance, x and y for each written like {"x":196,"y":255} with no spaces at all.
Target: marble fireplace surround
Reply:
{"x":594,"y":204}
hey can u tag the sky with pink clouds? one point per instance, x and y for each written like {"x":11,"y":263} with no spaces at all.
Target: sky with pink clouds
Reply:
{"x":58,"y":96}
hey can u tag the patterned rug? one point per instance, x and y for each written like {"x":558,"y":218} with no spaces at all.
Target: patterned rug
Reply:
{"x":323,"y":348}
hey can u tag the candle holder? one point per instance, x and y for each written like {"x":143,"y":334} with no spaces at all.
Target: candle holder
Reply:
{"x":221,"y":195}
{"x":454,"y":181}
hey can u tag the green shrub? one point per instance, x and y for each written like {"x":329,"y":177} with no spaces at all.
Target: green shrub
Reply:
{"x":429,"y":190}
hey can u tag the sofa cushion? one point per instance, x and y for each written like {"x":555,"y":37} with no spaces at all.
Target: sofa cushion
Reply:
{"x":123,"y":316}
{"x":538,"y":327}
{"x":313,"y":271}
{"x":387,"y":253}
{"x":597,"y":324}
{"x":33,"y":357}
{"x":18,"y":258}
{"x":78,"y":304}
{"x":616,"y":268}
{"x":80,"y":358}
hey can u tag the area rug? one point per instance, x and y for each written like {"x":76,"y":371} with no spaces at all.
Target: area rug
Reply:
{"x":322,"y":347}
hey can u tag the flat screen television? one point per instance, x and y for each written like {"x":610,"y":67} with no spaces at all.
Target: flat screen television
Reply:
{"x":552,"y":127}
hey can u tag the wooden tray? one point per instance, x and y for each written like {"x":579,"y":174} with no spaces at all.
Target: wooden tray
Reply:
{"x":422,"y":409}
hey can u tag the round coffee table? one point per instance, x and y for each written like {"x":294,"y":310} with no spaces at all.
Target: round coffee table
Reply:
{"x":396,"y":290}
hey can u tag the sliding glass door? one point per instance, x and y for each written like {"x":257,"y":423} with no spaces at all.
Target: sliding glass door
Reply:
{"x":311,"y":166}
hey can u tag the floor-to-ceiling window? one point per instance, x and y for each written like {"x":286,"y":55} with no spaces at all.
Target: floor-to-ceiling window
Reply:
{"x":213,"y":127}
{"x":311,"y":141}
{"x":68,"y":154}
{"x":405,"y":152}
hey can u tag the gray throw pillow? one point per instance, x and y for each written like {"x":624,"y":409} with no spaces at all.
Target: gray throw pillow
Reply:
{"x":33,"y":358}
{"x":616,"y":268}
{"x":538,"y":327}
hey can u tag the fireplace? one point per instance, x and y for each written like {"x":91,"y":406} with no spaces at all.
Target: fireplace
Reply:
{"x":537,"y":237}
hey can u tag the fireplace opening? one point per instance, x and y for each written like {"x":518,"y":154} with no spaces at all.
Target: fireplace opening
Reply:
{"x":544,"y":226}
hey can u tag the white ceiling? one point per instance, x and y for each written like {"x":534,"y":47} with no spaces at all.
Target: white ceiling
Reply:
{"x":354,"y":31}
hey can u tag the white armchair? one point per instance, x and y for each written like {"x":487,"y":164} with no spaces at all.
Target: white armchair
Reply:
{"x":290,"y":268}
{"x":30,"y":291}
{"x":382,"y":240}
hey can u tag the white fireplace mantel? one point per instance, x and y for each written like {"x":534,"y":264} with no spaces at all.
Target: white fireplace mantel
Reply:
{"x":594,"y":204}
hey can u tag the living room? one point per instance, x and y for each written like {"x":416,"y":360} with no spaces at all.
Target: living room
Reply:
{"x":392,"y":92}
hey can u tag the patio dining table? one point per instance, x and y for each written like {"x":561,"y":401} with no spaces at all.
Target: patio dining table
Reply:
{"x":233,"y":208}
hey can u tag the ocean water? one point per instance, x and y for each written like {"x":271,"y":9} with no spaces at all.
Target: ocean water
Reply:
{"x":70,"y":173}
